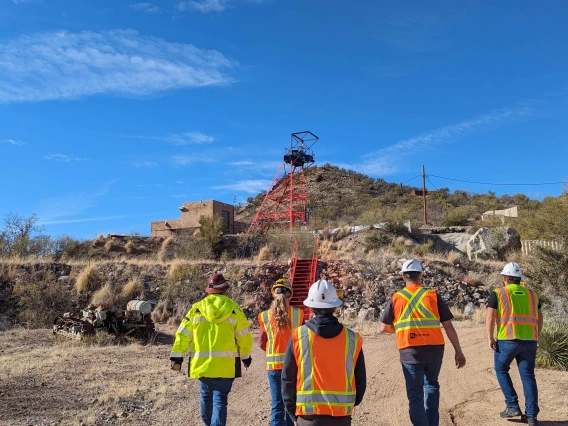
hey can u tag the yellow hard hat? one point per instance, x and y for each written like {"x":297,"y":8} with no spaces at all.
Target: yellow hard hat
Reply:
{"x":282,"y":283}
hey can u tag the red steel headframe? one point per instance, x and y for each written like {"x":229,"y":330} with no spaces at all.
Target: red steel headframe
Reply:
{"x":285,"y":202}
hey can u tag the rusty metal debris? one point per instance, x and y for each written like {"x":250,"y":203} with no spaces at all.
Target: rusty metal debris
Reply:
{"x":135,"y":322}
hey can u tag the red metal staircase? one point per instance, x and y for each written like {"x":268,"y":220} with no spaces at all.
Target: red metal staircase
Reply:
{"x":304,"y":273}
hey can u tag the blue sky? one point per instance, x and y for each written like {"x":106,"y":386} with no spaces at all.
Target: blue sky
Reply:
{"x":114,"y":112}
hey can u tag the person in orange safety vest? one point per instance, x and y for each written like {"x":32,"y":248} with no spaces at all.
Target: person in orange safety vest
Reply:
{"x":276,"y":325}
{"x":324,"y":376}
{"x":416,"y":315}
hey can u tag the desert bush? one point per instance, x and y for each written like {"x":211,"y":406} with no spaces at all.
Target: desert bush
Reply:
{"x":133,"y":289}
{"x":553,"y":345}
{"x":212,"y":230}
{"x":397,"y":248}
{"x":130,"y":247}
{"x":185,"y":285}
{"x":376,"y":239}
{"x":548,"y":270}
{"x":107,"y":296}
{"x":264,"y":254}
{"x":99,"y":241}
{"x":422,"y":250}
{"x":455,"y":256}
{"x":474,"y":278}
{"x":109,"y":246}
{"x":41,"y":300}
{"x":166,"y":250}
{"x":89,"y":280}
{"x":458,"y":216}
{"x":65,"y":247}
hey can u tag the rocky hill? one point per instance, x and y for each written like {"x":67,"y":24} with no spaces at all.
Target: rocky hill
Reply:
{"x":339,"y":196}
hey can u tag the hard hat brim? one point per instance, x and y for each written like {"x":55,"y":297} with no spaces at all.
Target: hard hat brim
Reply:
{"x":323,"y":305}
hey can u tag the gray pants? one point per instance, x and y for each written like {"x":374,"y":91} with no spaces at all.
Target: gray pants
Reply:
{"x":324,"y":421}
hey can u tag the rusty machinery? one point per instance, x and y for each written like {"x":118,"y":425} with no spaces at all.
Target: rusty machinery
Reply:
{"x":135,"y":321}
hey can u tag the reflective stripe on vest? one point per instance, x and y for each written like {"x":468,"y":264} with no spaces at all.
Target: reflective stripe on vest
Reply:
{"x":278,"y":340}
{"x":312,"y":401}
{"x":517,"y":313}
{"x":416,"y":317}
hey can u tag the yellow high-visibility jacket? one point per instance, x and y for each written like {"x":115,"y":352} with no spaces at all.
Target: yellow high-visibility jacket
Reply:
{"x":217,"y":335}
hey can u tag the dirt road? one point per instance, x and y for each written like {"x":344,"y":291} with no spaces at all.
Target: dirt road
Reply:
{"x":44,"y":382}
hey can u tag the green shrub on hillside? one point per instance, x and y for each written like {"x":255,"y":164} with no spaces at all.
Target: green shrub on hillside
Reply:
{"x":422,"y":250}
{"x":553,"y":346}
{"x":376,"y":239}
{"x":458,"y":216}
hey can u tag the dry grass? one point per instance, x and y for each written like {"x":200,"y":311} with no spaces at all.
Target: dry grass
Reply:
{"x":106,"y":296}
{"x":474,"y":278}
{"x":166,"y":249}
{"x":477,"y":317}
{"x":264,"y":254}
{"x":88,"y":280}
{"x":130,"y":247}
{"x":133,"y":289}
{"x":455,"y":257}
{"x":198,"y":233}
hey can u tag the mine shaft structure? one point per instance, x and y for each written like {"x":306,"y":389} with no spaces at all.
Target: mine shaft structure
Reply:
{"x":285,"y":204}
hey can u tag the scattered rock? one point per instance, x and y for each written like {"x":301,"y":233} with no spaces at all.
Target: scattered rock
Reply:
{"x":493,"y":243}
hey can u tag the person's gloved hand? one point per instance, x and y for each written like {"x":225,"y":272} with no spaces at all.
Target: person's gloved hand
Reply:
{"x":246,"y":362}
{"x":176,"y":363}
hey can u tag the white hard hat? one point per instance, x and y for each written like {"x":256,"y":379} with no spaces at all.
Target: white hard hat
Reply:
{"x":411,"y":265}
{"x":322,"y":295}
{"x":512,"y":269}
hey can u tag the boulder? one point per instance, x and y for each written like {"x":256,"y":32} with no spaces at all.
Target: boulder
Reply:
{"x":468,"y":310}
{"x":367,"y":314}
{"x":493,"y":243}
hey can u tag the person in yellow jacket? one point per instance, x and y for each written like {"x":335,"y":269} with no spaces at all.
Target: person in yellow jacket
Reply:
{"x":276,"y":325}
{"x":217,"y":335}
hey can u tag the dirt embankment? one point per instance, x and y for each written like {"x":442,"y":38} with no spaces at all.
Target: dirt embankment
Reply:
{"x":46,"y":382}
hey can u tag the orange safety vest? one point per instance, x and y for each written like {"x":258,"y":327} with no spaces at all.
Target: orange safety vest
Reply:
{"x":278,"y":340}
{"x":517,"y":313}
{"x":416,"y":317}
{"x":325,"y":382}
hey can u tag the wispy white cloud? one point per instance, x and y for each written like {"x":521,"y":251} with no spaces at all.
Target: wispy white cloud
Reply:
{"x":63,"y":158}
{"x":148,"y":164}
{"x":186,"y":160}
{"x":251,"y":186}
{"x":387,"y":160}
{"x":69,"y":206}
{"x":64,"y":65}
{"x":23,"y":1}
{"x":146,"y":7}
{"x":187,"y":138}
{"x":11,"y":141}
{"x":85,"y":219}
{"x":203,"y":6}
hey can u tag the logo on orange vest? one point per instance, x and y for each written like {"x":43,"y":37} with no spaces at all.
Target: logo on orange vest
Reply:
{"x":414,"y":335}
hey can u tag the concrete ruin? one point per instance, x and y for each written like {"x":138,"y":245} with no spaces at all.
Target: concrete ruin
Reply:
{"x":190,"y":214}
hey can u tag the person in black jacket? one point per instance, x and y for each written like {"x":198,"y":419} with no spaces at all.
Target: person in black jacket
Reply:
{"x":322,"y":298}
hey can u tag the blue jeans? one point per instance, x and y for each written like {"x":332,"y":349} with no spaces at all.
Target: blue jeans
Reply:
{"x":423,"y":391}
{"x":214,"y":400}
{"x":279,"y":416}
{"x":524,"y":352}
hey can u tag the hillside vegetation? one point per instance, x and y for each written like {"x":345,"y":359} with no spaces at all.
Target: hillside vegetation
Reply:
{"x":339,"y":196}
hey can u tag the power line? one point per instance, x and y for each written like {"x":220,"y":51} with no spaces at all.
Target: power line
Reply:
{"x":428,"y":177}
{"x":500,"y":184}
{"x":411,"y":179}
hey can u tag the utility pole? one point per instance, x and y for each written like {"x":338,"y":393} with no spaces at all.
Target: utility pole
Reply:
{"x":424,"y":194}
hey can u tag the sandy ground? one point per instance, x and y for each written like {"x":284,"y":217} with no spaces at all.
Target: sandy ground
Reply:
{"x":44,"y":381}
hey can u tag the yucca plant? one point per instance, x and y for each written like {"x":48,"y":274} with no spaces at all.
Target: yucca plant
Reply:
{"x":553,"y":346}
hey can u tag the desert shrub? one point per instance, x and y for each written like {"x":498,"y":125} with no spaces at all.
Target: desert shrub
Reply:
{"x":40,"y":300}
{"x":264,"y":254}
{"x":212,"y":230}
{"x":99,"y":241}
{"x":397,"y":248}
{"x":89,"y":280}
{"x":458,"y":216}
{"x":396,"y":227}
{"x":376,"y":239}
{"x":66,"y":248}
{"x":133,"y":289}
{"x":193,"y":249}
{"x":107,"y":296}
{"x":166,"y":250}
{"x":473,"y":278}
{"x":553,"y":345}
{"x":109,"y":246}
{"x":185,"y":285}
{"x":455,"y":257}
{"x":548,"y":270}
{"x":422,"y":250}
{"x":130,"y":247}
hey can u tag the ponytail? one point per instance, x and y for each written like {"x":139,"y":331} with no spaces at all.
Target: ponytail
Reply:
{"x":279,"y":312}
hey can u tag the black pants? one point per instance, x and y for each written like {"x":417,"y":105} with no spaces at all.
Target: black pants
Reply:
{"x":324,"y":421}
